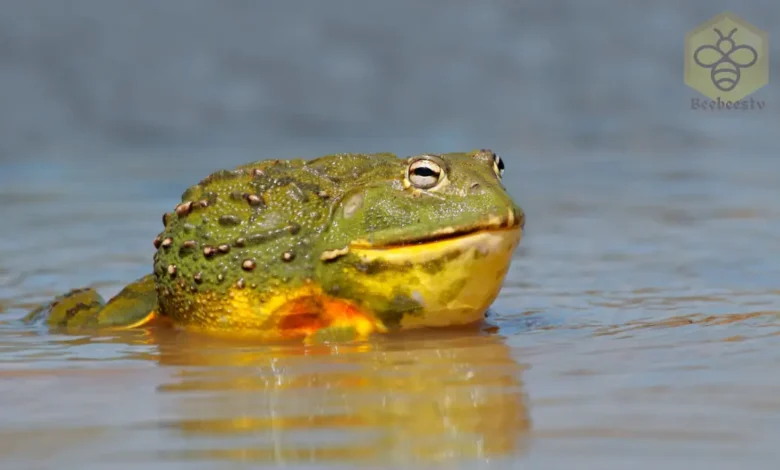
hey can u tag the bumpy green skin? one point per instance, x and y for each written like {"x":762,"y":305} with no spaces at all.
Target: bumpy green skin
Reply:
{"x":281,"y":216}
{"x":266,"y":213}
{"x":266,"y":225}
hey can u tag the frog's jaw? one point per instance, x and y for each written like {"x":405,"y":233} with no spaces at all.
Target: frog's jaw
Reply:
{"x":447,"y":282}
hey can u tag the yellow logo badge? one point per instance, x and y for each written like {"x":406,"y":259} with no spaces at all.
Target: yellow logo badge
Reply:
{"x":726,"y":58}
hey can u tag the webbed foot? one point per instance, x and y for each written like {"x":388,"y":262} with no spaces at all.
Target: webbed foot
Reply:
{"x":133,"y":306}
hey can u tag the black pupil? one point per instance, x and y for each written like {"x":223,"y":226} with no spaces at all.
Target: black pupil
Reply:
{"x":424,"y":171}
{"x":500,"y":163}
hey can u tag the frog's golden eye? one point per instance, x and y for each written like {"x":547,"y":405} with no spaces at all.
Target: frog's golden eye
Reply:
{"x":424,"y":173}
{"x":498,"y":166}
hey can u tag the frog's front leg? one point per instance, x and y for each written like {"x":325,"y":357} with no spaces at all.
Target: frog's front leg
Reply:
{"x":133,"y":306}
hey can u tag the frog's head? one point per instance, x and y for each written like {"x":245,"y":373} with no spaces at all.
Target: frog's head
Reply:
{"x":423,"y":241}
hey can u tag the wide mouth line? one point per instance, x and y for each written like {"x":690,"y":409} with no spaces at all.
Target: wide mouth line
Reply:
{"x":440,"y":237}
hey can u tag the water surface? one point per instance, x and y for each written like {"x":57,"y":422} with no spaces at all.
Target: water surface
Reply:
{"x":635,"y":326}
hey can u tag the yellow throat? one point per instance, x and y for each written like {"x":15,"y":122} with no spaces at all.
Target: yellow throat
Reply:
{"x":454,"y":279}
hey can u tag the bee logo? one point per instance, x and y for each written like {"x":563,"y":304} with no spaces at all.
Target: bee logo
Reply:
{"x":725,"y":60}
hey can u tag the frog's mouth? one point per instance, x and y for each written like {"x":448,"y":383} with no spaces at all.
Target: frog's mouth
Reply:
{"x":398,"y":238}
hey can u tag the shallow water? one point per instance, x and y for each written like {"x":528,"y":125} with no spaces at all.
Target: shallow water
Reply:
{"x":639,"y":326}
{"x":636,"y":326}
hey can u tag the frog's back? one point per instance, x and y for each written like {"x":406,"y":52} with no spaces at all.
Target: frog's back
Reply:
{"x":240,"y":246}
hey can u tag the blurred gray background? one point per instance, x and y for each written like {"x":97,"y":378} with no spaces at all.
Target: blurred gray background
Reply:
{"x":85,"y":79}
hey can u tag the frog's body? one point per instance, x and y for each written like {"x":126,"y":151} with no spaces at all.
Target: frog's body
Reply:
{"x":293,"y":248}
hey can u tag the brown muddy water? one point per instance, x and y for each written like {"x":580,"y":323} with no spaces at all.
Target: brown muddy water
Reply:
{"x":639,"y":326}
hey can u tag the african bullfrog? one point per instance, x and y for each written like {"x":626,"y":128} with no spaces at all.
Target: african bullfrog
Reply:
{"x":356,"y":243}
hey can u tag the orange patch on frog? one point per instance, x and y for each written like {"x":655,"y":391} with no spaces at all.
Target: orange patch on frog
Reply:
{"x":305,"y":316}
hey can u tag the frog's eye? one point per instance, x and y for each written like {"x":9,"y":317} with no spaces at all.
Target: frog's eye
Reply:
{"x":498,"y":166}
{"x":424,"y":173}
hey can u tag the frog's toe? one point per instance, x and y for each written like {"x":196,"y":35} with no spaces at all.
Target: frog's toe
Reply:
{"x":133,"y":306}
{"x":75,"y":308}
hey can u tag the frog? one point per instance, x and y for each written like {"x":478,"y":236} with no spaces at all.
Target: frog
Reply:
{"x":341,"y":246}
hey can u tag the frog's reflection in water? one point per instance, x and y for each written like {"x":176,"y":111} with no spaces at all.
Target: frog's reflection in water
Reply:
{"x":426,"y":397}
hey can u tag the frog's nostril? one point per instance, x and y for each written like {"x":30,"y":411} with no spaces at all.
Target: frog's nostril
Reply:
{"x":475,"y":187}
